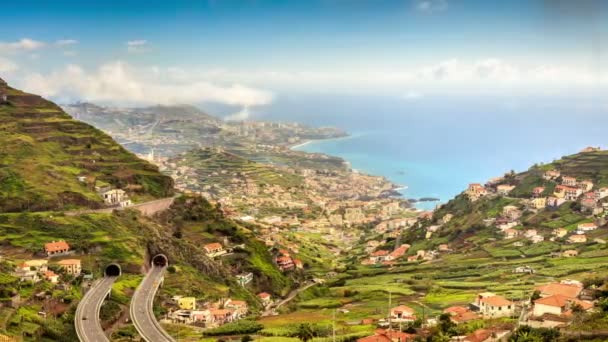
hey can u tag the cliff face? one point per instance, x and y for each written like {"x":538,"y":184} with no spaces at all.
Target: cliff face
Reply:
{"x":43,"y":151}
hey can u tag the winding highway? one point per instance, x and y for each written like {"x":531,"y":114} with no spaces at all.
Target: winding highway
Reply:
{"x":141,"y":310}
{"x":86,"y":321}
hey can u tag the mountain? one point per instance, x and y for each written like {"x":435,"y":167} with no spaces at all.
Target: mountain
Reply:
{"x":44,"y":151}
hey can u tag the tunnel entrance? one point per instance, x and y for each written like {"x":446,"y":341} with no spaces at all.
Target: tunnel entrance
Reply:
{"x":160,"y":260}
{"x":112,"y":270}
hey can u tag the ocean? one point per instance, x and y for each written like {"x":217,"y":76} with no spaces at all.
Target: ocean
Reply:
{"x":436,"y":146}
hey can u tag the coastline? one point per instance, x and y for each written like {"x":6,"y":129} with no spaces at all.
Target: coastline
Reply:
{"x":395,"y":190}
{"x":310,"y":141}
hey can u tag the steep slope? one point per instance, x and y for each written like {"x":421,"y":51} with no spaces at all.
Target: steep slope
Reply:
{"x":43,"y":151}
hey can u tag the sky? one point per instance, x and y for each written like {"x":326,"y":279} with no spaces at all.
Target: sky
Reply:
{"x":247,"y":53}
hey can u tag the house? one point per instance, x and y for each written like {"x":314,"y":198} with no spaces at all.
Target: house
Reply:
{"x":381,"y":335}
{"x":187,"y":303}
{"x":567,"y":192}
{"x":511,"y":233}
{"x":239,"y":306}
{"x":379,"y":256}
{"x":560,"y":232}
{"x":214,"y":249}
{"x":568,"y":290}
{"x":475,"y":191}
{"x":460,"y":314}
{"x":398,"y":252}
{"x":491,"y":305}
{"x":504,"y":189}
{"x":586,"y":227}
{"x":601,"y":193}
{"x":586,"y":185}
{"x":244,"y":278}
{"x":71,"y":266}
{"x":530,"y":233}
{"x":570,"y":253}
{"x":265,"y":297}
{"x":577,"y":238}
{"x":538,"y":191}
{"x":539,"y":202}
{"x":486,"y":335}
{"x":298,"y":264}
{"x":568,"y":181}
{"x":285,"y":263}
{"x":446,"y":218}
{"x":558,"y":305}
{"x":222,"y":316}
{"x":115,"y":197}
{"x":444,"y":247}
{"x":412,"y":258}
{"x":554,"y":202}
{"x":589,"y":149}
{"x":39,"y":265}
{"x":26,"y":275}
{"x":51,"y":276}
{"x":537,"y":239}
{"x":511,"y":212}
{"x":551,"y":174}
{"x":56,"y":248}
{"x":524,"y":269}
{"x":402,"y":313}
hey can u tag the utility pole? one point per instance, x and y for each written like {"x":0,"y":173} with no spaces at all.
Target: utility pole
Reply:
{"x":390,"y":324}
{"x":333,"y":327}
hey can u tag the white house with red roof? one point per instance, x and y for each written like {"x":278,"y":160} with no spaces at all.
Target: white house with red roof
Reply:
{"x":214,"y":249}
{"x":491,"y":305}
{"x":56,"y":248}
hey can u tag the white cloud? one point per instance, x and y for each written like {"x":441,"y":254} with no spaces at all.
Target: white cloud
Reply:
{"x":24,"y":44}
{"x":137,"y":45}
{"x":430,"y":6}
{"x":6,"y":65}
{"x":66,"y":42}
{"x":120,"y":83}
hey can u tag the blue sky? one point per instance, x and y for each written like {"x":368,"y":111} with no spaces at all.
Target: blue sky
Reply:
{"x":247,"y":52}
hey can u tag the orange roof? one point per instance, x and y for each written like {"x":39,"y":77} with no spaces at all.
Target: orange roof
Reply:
{"x":237,"y":303}
{"x":557,"y":300}
{"x":388,"y":336}
{"x":49,"y":274}
{"x":221,"y":312}
{"x":465,"y":317}
{"x":455,"y":310}
{"x":479,"y":335}
{"x":380,"y":253}
{"x":213,"y":246}
{"x":496,"y":301}
{"x":56,"y":246}
{"x":570,"y":291}
{"x":66,"y":262}
{"x":264,"y":295}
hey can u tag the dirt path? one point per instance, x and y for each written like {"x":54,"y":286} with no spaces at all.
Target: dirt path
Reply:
{"x":291,"y":296}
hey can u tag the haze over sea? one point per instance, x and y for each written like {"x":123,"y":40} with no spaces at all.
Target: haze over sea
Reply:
{"x":436,"y":146}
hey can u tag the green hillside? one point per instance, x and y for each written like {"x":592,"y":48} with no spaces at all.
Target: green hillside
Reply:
{"x":218,"y":167}
{"x":44,"y":151}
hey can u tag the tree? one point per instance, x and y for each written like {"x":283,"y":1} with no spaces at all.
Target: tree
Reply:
{"x":535,"y":296}
{"x":246,"y":338}
{"x":305,"y":332}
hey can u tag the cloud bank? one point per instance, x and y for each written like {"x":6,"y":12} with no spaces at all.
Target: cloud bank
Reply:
{"x":119,"y":82}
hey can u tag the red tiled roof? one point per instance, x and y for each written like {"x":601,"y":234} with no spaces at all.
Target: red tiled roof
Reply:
{"x":556,"y":300}
{"x":380,"y":253}
{"x":56,"y":246}
{"x":455,"y":310}
{"x":465,"y":317}
{"x":570,"y":291}
{"x":213,"y":246}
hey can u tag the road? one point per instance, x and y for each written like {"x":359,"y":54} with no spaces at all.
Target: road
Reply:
{"x":141,"y":311}
{"x":147,"y":208}
{"x":86,"y":320}
{"x":289,"y":297}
